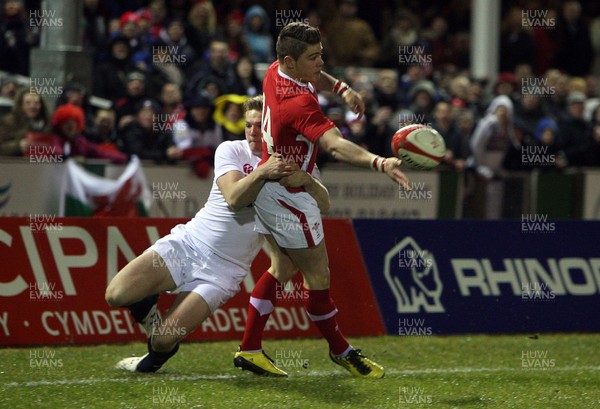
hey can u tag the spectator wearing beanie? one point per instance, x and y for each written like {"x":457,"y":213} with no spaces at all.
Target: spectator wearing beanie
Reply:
{"x":68,"y":124}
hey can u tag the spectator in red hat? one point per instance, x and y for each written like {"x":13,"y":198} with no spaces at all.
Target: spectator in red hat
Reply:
{"x":236,"y":37}
{"x":144,"y":21}
{"x":146,"y":31}
{"x":506,"y":85}
{"x":160,"y":13}
{"x":129,"y":29}
{"x":68,"y":123}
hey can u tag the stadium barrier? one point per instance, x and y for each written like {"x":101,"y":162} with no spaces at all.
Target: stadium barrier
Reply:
{"x":404,"y":277}
{"x":55,"y":271}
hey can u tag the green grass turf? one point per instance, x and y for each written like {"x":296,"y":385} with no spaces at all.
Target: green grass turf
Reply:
{"x":421,"y":372}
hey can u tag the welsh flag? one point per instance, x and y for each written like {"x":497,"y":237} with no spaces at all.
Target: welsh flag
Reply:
{"x":86,"y":194}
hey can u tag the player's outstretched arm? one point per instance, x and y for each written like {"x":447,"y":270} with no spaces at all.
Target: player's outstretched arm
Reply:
{"x":239,"y":191}
{"x":343,"y":150}
{"x":351,"y":98}
{"x":312,"y":185}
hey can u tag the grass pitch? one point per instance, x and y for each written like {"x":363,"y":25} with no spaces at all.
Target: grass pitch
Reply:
{"x":511,"y":371}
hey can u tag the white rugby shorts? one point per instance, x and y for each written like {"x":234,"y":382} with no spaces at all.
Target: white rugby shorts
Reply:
{"x":293,"y":218}
{"x":196,"y":268}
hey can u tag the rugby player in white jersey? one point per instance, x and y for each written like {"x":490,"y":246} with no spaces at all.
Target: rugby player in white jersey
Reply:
{"x":294,"y":126}
{"x":207,"y":258}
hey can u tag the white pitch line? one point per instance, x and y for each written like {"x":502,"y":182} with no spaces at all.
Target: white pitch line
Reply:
{"x":150,"y":378}
{"x":92,"y":381}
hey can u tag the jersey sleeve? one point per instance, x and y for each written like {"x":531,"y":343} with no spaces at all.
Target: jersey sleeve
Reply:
{"x":308,"y":119}
{"x":227,"y":159}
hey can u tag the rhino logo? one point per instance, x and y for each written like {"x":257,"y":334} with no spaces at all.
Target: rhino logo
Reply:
{"x":413,"y":277}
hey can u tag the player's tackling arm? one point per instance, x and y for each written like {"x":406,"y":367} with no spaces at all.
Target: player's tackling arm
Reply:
{"x":343,"y":150}
{"x":239,"y":191}
{"x":312,"y":185}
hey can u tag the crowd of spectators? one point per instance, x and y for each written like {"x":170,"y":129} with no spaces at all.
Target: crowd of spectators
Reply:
{"x":177,"y":72}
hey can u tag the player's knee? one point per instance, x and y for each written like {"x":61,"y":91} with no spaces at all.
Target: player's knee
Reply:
{"x":114,"y":297}
{"x":318,"y":280}
{"x":284,"y":275}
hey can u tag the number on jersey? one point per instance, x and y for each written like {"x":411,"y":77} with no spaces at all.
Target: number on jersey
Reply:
{"x":266,"y":128}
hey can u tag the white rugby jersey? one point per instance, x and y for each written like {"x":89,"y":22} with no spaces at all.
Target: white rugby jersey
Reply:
{"x":229,"y":234}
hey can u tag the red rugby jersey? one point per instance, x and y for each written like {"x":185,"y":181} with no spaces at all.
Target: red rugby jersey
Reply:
{"x":292,"y":121}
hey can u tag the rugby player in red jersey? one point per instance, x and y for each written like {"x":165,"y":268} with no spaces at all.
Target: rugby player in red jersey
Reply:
{"x":294,"y":126}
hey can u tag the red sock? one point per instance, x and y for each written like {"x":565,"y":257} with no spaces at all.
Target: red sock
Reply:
{"x":262,"y":303}
{"x":321,"y":310}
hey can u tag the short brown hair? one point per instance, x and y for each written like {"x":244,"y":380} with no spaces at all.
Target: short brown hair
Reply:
{"x":254,"y":103}
{"x":295,"y":38}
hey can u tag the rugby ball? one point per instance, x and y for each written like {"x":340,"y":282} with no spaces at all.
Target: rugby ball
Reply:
{"x":420,"y":147}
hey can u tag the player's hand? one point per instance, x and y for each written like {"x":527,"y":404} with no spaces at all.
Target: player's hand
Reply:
{"x":392,"y":169}
{"x":276,"y":167}
{"x":355,"y":102}
{"x":296,"y":179}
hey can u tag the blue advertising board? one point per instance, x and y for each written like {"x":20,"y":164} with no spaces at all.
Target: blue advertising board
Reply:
{"x":450,"y":277}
